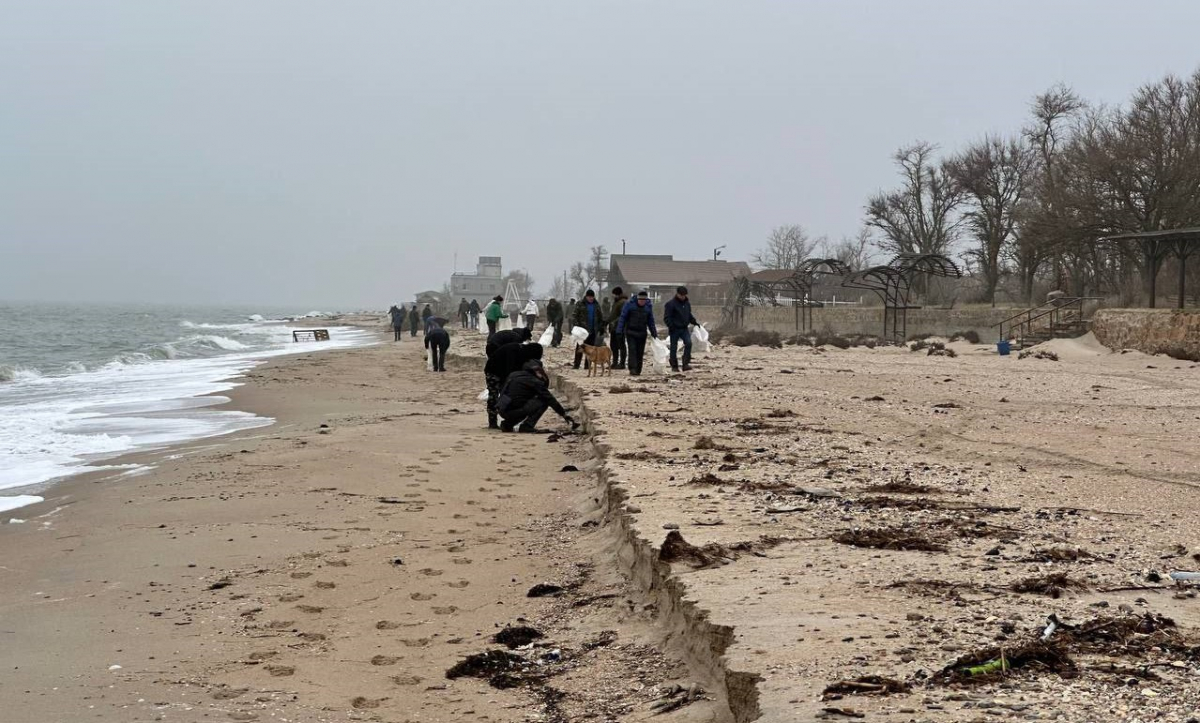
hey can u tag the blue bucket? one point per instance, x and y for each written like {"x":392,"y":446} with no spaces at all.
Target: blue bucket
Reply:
{"x":1003,"y":347}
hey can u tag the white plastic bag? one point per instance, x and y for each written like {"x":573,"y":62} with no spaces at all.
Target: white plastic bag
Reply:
{"x":483,"y":395}
{"x":579,"y":334}
{"x":658,"y":349}
{"x":547,"y":337}
{"x":700,"y":344}
{"x":429,"y":358}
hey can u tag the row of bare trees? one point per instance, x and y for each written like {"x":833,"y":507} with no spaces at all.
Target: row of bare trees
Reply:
{"x":1031,"y":206}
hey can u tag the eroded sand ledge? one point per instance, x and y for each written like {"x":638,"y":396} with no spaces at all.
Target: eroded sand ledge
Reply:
{"x":1009,"y":470}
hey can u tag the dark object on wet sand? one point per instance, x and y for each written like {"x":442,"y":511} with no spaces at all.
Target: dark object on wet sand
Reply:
{"x":569,"y":468}
{"x":220,"y":585}
{"x":514,"y":637}
{"x":1054,"y":584}
{"x":486,"y":665}
{"x":676,"y":549}
{"x":543,"y":589}
{"x":889,"y":539}
{"x":866,"y":685}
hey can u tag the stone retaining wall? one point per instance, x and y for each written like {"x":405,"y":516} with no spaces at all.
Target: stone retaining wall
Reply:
{"x":865,"y":319}
{"x":1154,"y":331}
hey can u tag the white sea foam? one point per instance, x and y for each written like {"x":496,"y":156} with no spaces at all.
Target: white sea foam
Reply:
{"x":55,"y":426}
{"x":12,"y":503}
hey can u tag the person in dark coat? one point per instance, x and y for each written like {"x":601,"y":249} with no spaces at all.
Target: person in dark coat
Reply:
{"x":464,"y":312}
{"x":437,"y":341}
{"x":414,"y":319}
{"x":426,"y":313}
{"x":500,"y":364}
{"x":637,"y":324}
{"x":616,"y":340}
{"x":570,"y":311}
{"x":475,"y":311}
{"x":520,"y":335}
{"x":554,"y":315}
{"x":397,"y":314}
{"x":525,"y":398}
{"x":589,"y":316}
{"x":677,"y":314}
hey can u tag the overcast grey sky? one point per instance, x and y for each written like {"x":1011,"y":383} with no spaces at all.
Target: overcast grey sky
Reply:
{"x":338,"y":154}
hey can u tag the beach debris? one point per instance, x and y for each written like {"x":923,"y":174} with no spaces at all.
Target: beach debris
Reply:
{"x":840,"y":713}
{"x":486,"y":665}
{"x":865,"y":685}
{"x":897,"y":538}
{"x":220,"y":584}
{"x":513,"y":637}
{"x":569,"y":468}
{"x":676,"y":549}
{"x":675,"y":697}
{"x":1038,"y":354}
{"x":543,"y":589}
{"x":1054,"y":584}
{"x":1180,"y":576}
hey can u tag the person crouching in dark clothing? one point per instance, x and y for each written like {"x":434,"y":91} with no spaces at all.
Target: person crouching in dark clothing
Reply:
{"x":502,"y":363}
{"x":636,"y":322}
{"x":508,"y":336}
{"x":526,"y":396}
{"x":437,"y":341}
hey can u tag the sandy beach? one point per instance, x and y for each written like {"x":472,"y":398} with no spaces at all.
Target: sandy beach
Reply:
{"x":720,"y":546}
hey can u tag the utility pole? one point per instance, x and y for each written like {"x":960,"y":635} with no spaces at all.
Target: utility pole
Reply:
{"x":622,"y":247}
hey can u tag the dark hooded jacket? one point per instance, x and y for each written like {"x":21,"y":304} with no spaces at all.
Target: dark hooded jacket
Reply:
{"x":436,"y":335}
{"x":474,"y":308}
{"x":397,"y":317}
{"x":524,"y":386}
{"x":614,"y":312}
{"x":508,"y":336}
{"x":426,"y":312}
{"x":414,"y":317}
{"x":554,"y":311}
{"x":510,"y":358}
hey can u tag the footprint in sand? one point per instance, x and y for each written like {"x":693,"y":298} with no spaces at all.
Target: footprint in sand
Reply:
{"x":505,"y":497}
{"x":416,"y":642}
{"x":384,"y":660}
{"x":300,"y":575}
{"x":422,"y":596}
{"x":280,"y":671}
{"x":362,"y":703}
{"x":488,"y":509}
{"x":280,"y":624}
{"x":337,"y":563}
{"x":462,"y":561}
{"x":458,"y":584}
{"x":413,"y":484}
{"x":485,"y":489}
{"x":290,"y":597}
{"x":405,"y":679}
{"x":456,"y":548}
{"x":430,"y":572}
{"x":326,"y":585}
{"x":387,"y":625}
{"x":460,"y":516}
{"x":312,"y":637}
{"x":412,"y":494}
{"x":447,"y":610}
{"x":263,"y":655}
{"x":433,"y":489}
{"x":229,"y":693}
{"x":312,"y":609}
{"x":506,"y":484}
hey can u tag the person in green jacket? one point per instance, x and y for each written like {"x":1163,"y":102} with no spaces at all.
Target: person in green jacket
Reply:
{"x":554,"y":315}
{"x":493,"y":314}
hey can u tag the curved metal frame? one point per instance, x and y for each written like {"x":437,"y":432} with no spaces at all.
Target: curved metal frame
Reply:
{"x":893,"y":284}
{"x":797,"y":286}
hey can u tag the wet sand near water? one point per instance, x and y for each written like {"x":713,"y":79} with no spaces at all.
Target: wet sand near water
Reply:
{"x":334,"y":567}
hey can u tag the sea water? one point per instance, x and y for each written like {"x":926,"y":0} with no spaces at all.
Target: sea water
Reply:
{"x":81,"y":384}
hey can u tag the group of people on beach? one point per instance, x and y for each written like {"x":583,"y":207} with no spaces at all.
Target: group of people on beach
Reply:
{"x":518,"y":387}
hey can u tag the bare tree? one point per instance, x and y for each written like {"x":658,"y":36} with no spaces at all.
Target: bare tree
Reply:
{"x":597,"y":265}
{"x":560,"y":288}
{"x":786,"y":247}
{"x":993,"y":175}
{"x":578,"y":277}
{"x":856,"y":252}
{"x":922,"y":215}
{"x":1044,"y":227}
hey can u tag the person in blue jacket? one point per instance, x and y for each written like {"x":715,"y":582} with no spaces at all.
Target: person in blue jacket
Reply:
{"x":677,"y":314}
{"x":637,"y":324}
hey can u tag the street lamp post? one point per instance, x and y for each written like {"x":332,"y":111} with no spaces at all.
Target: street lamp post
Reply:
{"x":717,"y":251}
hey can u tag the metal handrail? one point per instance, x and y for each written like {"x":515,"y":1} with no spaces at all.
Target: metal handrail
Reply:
{"x":1064,"y":303}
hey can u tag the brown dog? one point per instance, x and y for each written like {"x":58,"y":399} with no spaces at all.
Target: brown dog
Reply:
{"x":599,"y":358}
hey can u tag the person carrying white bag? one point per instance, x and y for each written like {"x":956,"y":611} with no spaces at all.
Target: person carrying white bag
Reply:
{"x":677,"y":314}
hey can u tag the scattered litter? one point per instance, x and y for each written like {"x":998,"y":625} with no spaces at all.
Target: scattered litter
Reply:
{"x":543,"y":589}
{"x":866,"y":685}
{"x":513,"y":637}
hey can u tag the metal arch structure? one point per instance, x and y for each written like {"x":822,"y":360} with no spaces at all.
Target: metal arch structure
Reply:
{"x":1155,"y":247}
{"x":893,"y":284}
{"x":795,"y":285}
